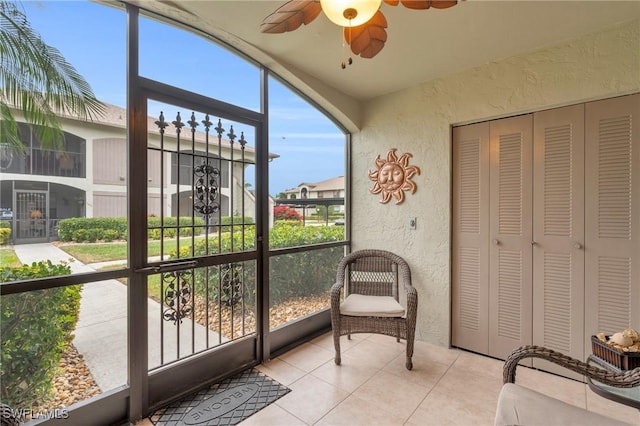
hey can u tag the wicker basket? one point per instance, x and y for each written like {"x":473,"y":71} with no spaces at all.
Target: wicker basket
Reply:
{"x":621,"y":360}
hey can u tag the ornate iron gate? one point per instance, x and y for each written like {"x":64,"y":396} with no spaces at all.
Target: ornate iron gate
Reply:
{"x":31,"y":219}
{"x":201,"y":213}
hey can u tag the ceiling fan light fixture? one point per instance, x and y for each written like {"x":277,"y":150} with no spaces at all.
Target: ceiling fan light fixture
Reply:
{"x":364,"y":25}
{"x":350,"y":13}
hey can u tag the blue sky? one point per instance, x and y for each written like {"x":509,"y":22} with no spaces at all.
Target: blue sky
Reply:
{"x":92,"y":38}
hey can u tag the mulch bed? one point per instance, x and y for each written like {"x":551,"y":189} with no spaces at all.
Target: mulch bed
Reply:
{"x":75,"y":383}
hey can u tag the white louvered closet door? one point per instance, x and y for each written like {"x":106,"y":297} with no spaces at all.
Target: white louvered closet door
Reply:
{"x":470,"y":252}
{"x":558,"y":233}
{"x":510,"y":235}
{"x":612,"y":247}
{"x":546,"y":228}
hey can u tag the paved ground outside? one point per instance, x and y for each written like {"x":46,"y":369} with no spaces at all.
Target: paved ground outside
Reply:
{"x":101,"y":332}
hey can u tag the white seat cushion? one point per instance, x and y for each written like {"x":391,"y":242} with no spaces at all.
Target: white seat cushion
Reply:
{"x":359,"y":305}
{"x":518,"y":405}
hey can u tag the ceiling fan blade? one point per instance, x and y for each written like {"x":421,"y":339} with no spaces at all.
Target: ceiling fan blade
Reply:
{"x":368,"y":39}
{"x":290,"y":16}
{"x":423,"y":4}
{"x":426,"y":4}
{"x":416,"y":4}
{"x":443,"y":4}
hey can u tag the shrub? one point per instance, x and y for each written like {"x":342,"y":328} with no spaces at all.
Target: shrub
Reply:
{"x":79,"y":235}
{"x":290,"y":235}
{"x":291,"y":275}
{"x":182,"y":225}
{"x":226,"y":282}
{"x":36,"y":327}
{"x":306,"y":273}
{"x":5,"y":224}
{"x":91,"y":229}
{"x":154,"y":234}
{"x":87,"y":235}
{"x":108,"y":235}
{"x":67,"y":228}
{"x":282,"y":212}
{"x":225,"y":221}
{"x":277,"y":223}
{"x":5,"y":234}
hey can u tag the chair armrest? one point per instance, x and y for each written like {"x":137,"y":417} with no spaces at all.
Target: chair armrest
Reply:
{"x":410,"y":290}
{"x":627,"y":379}
{"x":412,"y":302}
{"x":336,"y":292}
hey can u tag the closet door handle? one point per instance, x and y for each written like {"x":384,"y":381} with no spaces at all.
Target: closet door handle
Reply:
{"x":577,"y":245}
{"x":496,"y":242}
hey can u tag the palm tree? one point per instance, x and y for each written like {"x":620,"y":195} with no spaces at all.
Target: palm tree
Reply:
{"x":37,"y":80}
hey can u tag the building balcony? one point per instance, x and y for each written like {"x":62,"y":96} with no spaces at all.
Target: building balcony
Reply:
{"x":44,"y":162}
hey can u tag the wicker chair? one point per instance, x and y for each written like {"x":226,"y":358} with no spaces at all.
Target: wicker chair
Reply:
{"x":370,"y":280}
{"x":521,"y":405}
{"x":626,"y":379}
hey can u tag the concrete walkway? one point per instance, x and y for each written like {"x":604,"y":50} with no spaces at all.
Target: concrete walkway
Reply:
{"x":101,"y":332}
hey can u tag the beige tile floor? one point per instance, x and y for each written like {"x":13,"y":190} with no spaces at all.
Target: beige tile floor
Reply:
{"x":372,"y":386}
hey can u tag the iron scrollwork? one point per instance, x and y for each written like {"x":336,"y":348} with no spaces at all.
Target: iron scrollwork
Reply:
{"x":206,"y":189}
{"x":232,"y":286}
{"x":177,"y":295}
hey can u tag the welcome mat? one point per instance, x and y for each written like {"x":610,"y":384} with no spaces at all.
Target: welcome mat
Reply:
{"x":225,"y":403}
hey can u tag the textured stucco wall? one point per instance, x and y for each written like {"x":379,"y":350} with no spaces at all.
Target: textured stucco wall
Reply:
{"x":418,"y":120}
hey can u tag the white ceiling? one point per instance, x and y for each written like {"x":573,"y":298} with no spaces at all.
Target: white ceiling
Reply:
{"x":422,"y":45}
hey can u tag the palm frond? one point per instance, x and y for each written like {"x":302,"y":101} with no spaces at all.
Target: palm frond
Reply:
{"x":9,"y":129}
{"x":36,"y":78}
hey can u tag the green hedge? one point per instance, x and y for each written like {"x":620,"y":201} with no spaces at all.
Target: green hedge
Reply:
{"x":291,"y":275}
{"x":36,"y":327}
{"x":235,"y":220}
{"x":85,"y":229}
{"x":171,"y":226}
{"x":277,"y":223}
{"x":307,"y":273}
{"x":92,"y":229}
{"x":5,"y":234}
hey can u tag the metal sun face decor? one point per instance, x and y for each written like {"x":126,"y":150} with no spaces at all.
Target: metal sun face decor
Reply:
{"x":393,"y":176}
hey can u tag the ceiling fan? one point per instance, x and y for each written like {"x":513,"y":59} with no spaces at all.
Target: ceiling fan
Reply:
{"x":363,"y":21}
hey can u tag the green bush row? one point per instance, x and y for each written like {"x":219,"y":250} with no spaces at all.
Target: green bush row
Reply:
{"x":306,"y":273}
{"x":183,"y":226}
{"x":92,"y":229}
{"x":36,"y":327}
{"x":302,"y":274}
{"x":93,"y":235}
{"x":286,"y":222}
{"x":235,"y":220}
{"x":5,"y":234}
{"x":331,"y":217}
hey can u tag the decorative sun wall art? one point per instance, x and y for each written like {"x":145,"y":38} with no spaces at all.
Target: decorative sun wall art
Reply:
{"x":393,"y":176}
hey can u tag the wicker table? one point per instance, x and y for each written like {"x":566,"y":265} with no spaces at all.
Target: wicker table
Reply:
{"x":626,"y":396}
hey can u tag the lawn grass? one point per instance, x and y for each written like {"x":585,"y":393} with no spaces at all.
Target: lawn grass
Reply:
{"x":92,"y":253}
{"x":8,"y":258}
{"x":153,"y":287}
{"x":104,"y":252}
